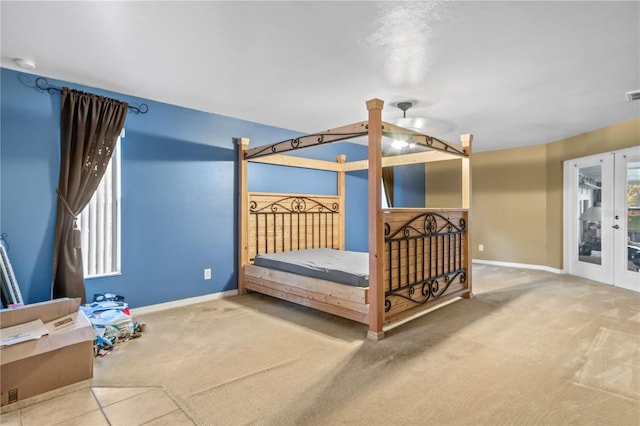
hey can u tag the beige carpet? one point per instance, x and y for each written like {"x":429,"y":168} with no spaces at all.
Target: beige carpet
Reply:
{"x":531,"y":348}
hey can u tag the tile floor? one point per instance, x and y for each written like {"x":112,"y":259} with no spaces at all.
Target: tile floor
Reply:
{"x":96,"y":406}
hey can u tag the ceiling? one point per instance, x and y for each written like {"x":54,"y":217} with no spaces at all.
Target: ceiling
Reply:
{"x":512,"y":73}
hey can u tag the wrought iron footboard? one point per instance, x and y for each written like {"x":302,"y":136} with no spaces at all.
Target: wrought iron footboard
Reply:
{"x":425,"y":256}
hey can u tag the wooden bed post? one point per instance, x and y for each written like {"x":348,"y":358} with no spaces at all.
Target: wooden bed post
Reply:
{"x":243,"y":214}
{"x":376,"y":237}
{"x":466,"y":204}
{"x":341,"y":159}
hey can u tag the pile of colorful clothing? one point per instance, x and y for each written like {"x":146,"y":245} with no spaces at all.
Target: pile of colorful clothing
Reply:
{"x":111,"y":321}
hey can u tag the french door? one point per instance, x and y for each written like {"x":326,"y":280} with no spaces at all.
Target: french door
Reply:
{"x":602,"y":218}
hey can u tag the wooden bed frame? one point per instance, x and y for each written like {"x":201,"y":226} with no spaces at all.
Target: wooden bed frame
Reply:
{"x":418,"y":258}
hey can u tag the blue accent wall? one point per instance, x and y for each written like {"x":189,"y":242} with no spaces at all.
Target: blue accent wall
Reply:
{"x":179,"y":185}
{"x":409,"y":186}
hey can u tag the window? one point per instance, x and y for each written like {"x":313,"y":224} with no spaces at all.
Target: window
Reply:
{"x":100,"y":223}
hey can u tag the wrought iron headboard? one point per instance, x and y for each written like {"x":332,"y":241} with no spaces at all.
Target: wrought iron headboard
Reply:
{"x":279,"y":222}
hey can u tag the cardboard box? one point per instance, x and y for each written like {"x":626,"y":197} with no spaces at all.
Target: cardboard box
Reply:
{"x":61,"y":358}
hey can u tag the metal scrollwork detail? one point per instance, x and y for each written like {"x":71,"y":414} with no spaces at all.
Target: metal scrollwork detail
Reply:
{"x":294,"y":205}
{"x":426,"y":286}
{"x":429,"y":289}
{"x":437,"y":144}
{"x":433,"y":224}
{"x":301,"y":142}
{"x":412,"y":291}
{"x":387,"y":305}
{"x":435,"y":285}
{"x":298,"y":205}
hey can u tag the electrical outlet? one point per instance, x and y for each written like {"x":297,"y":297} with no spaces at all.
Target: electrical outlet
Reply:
{"x":207,"y":274}
{"x":481,"y":247}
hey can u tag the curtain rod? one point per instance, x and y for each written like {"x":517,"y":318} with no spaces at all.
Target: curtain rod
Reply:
{"x":43,"y":84}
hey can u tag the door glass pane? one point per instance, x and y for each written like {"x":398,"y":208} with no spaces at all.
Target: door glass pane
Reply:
{"x":633,"y":215}
{"x":589,"y":220}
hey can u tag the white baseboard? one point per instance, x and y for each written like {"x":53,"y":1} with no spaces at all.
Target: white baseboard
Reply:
{"x":520,"y":265}
{"x":182,"y":302}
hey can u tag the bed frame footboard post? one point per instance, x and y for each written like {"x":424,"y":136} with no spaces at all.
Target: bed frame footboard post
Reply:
{"x":243,"y":213}
{"x":376,"y":237}
{"x":341,"y":159}
{"x":466,"y":140}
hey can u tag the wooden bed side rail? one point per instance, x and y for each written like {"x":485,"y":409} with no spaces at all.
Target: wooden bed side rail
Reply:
{"x":284,"y":222}
{"x":425,"y":258}
{"x":338,"y":299}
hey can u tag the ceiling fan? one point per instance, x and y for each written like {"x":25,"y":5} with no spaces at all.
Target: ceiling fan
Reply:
{"x":431,"y":126}
{"x":418,"y":124}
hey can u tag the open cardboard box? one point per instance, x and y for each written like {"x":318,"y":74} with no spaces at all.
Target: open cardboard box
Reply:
{"x":52,"y":361}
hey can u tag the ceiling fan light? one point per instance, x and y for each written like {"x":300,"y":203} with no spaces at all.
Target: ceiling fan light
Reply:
{"x":419,"y":124}
{"x":399,"y":144}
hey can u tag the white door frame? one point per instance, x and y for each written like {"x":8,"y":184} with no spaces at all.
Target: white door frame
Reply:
{"x":603,"y":272}
{"x":623,"y":276}
{"x":613,"y":269}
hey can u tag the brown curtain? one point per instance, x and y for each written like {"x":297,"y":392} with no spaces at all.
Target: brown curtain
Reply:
{"x":89,"y":129}
{"x":387,"y":181}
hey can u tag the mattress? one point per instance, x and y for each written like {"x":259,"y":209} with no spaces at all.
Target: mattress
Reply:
{"x":346,"y":267}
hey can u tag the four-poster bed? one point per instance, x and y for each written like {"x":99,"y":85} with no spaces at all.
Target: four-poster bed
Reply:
{"x":418,"y":259}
